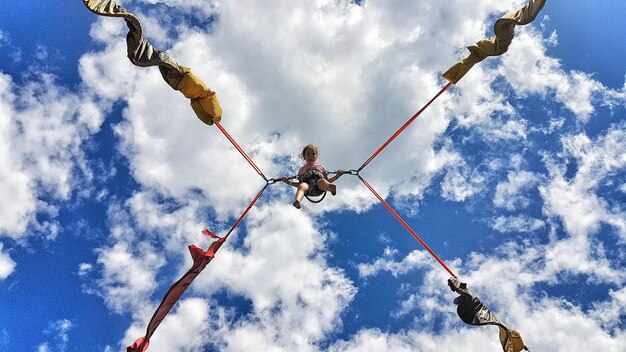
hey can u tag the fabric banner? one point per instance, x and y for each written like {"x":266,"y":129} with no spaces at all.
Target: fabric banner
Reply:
{"x":504,"y":30}
{"x":200,"y":260}
{"x":141,"y":53}
{"x":472,"y":311}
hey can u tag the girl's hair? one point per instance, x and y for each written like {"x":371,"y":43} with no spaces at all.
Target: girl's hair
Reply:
{"x":309,"y":146}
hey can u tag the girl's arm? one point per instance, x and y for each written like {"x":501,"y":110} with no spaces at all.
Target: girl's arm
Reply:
{"x":289,"y":182}
{"x":334,"y":178}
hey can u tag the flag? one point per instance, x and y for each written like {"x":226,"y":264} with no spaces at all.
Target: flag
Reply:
{"x":141,"y":53}
{"x":504,"y":30}
{"x":472,"y":311}
{"x":201,"y":259}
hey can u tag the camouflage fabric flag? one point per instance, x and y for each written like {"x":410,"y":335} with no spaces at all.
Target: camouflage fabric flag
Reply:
{"x":141,"y":53}
{"x":504,"y":30}
{"x":472,"y":311}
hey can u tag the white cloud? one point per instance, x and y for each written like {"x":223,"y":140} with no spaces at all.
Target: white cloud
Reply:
{"x":611,"y":312}
{"x":7,"y":265}
{"x":184,"y":329}
{"x":553,"y":40}
{"x":84,"y":269}
{"x":413,"y":261}
{"x":175,"y":224}
{"x":483,"y":107}
{"x":530,"y":71}
{"x":581,"y":210}
{"x":128,"y":275}
{"x":578,"y":98}
{"x":371,"y":340}
{"x":14,"y":216}
{"x":520,"y":223}
{"x":563,"y":320}
{"x":460,"y":183}
{"x":511,"y":195}
{"x":579,"y":201}
{"x":59,"y":330}
{"x":42,"y":128}
{"x":105,"y":75}
{"x":206,"y":8}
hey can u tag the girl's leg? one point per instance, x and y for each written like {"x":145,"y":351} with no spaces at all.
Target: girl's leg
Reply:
{"x":303,"y":188}
{"x":324,"y":185}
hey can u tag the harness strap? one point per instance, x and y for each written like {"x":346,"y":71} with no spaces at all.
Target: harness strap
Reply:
{"x":313,"y":200}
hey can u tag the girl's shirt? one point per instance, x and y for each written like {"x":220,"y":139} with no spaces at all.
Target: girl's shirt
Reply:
{"x":307,"y":167}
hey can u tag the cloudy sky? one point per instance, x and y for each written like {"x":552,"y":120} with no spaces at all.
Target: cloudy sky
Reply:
{"x":516,"y":177}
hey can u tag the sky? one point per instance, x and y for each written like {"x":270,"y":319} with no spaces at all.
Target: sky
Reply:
{"x":515,"y":177}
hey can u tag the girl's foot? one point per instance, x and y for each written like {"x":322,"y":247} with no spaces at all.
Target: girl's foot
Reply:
{"x":333,"y":189}
{"x":296,"y":204}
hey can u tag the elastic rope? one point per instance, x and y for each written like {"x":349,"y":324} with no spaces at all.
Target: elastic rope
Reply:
{"x":245,"y":212}
{"x":417,"y":237}
{"x":241,"y":151}
{"x":406,"y":124}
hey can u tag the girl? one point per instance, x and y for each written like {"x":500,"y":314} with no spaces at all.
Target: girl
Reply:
{"x":312,"y":175}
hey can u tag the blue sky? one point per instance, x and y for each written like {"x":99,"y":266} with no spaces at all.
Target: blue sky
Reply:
{"x":515,"y":177}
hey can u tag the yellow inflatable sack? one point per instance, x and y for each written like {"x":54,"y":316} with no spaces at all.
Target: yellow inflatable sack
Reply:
{"x":203,"y":100}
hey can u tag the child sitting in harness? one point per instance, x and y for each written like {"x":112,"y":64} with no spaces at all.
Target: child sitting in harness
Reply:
{"x":312,"y":177}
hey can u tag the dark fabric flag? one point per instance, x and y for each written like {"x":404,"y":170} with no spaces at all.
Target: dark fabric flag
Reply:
{"x":472,"y":311}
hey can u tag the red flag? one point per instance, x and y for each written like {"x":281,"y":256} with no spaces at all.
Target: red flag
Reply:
{"x":200,"y":261}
